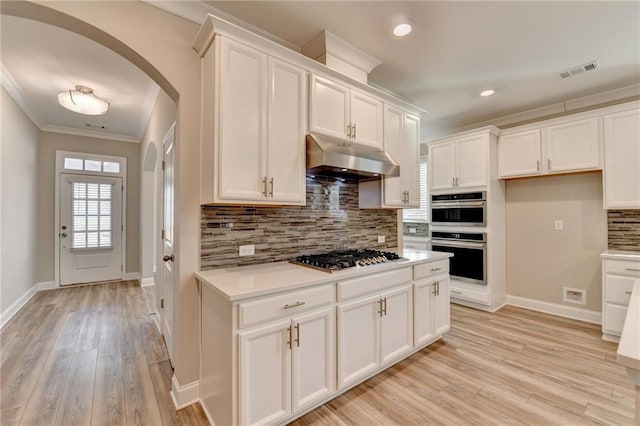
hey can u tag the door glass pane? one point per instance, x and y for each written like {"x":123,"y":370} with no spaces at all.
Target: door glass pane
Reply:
{"x":91,"y":209}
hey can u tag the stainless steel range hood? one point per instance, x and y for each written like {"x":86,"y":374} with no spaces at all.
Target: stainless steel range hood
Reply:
{"x":327,"y":156}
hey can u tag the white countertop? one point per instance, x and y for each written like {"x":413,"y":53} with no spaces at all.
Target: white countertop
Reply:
{"x":258,"y":280}
{"x":621,"y":255}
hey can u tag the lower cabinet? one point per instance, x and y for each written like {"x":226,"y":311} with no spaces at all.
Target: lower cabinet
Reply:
{"x":431,"y":309}
{"x":619,"y":277}
{"x":373,"y":331}
{"x":285,"y":366}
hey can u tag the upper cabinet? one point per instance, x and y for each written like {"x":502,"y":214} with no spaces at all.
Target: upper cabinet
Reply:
{"x":460,"y":163}
{"x":622,"y":160}
{"x":254,"y":125}
{"x":345,"y":113}
{"x":568,"y":146}
{"x":402,"y":143}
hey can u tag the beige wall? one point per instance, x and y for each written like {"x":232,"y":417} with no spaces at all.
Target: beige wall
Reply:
{"x":540,"y":260}
{"x":160,"y":44}
{"x":18,"y":157}
{"x":49,"y":144}
{"x":162,"y":117}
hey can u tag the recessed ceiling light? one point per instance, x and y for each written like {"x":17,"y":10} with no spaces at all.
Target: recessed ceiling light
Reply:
{"x":403,"y":27}
{"x":487,"y":92}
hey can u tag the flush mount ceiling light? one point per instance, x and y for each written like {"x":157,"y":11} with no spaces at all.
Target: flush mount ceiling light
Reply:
{"x":403,"y":27}
{"x":487,"y":92}
{"x":83,"y":101}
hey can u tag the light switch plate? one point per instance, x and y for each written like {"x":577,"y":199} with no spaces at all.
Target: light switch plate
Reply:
{"x":412,"y":230}
{"x":558,"y":225}
{"x":248,"y":250}
{"x":381,"y":239}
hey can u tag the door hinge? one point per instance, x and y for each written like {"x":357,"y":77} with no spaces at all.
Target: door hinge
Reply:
{"x":163,"y":164}
{"x":161,"y":303}
{"x":121,"y":268}
{"x":162,"y":235}
{"x":121,"y":228}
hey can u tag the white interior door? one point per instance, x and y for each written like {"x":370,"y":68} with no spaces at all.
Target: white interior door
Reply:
{"x":90,"y":234}
{"x":166,"y":303}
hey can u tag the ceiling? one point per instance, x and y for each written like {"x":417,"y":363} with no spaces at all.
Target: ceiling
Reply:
{"x":456,"y":50}
{"x":41,"y":60}
{"x":461,"y":48}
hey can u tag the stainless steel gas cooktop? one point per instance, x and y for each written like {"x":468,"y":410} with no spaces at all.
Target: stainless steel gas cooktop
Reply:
{"x":337,"y":260}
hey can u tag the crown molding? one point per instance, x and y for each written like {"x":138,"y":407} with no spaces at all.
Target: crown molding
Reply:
{"x":89,"y":133}
{"x":17,"y":95}
{"x":147,"y":109}
{"x":196,"y":12}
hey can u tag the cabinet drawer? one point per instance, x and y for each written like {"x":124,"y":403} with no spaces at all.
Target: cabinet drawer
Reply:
{"x":618,"y":289}
{"x":614,"y":316}
{"x":372,"y":283}
{"x":278,"y":306}
{"x":622,"y":267}
{"x":433,"y":268}
{"x":470,"y":295}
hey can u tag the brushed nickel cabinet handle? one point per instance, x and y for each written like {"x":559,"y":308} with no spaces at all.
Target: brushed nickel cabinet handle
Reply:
{"x":627,"y":292}
{"x":437,"y":288}
{"x":408,"y":197}
{"x":349,"y":131}
{"x":287,"y":306}
{"x":385,"y":306}
{"x":549,"y":163}
{"x":298,"y":334}
{"x":271,"y":187}
{"x":457,"y":183}
{"x":290,"y":335}
{"x":538,"y":165}
{"x":354,"y":130}
{"x":434,"y":288}
{"x":436,"y":269}
{"x":264,"y":187}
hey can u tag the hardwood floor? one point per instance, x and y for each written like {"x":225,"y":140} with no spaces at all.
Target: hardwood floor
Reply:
{"x":88,"y":355}
{"x":92,"y":355}
{"x":514,"y":366}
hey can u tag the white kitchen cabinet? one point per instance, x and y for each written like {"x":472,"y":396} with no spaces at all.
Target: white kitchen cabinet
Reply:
{"x":519,"y":154}
{"x":341,"y":112}
{"x":373,"y":331}
{"x":431,"y":302}
{"x":618,"y":278}
{"x":564,"y":147}
{"x":622,"y":160}
{"x":256,"y":136}
{"x":459,"y":163}
{"x":285,"y":366}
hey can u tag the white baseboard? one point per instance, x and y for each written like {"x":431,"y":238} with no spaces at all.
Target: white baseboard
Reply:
{"x":556,"y":309}
{"x":46,"y":285}
{"x":183,"y":396}
{"x":131,"y":276}
{"x":146,"y":282}
{"x":17,"y":305}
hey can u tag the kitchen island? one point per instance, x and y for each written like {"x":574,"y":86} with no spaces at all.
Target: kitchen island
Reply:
{"x":278,"y":339}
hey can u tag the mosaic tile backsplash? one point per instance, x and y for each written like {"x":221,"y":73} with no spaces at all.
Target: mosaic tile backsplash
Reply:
{"x":624,"y":229}
{"x":331,"y":220}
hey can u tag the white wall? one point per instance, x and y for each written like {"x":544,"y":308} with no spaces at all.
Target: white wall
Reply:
{"x":18,"y":162}
{"x":540,"y":260}
{"x":162,"y":117}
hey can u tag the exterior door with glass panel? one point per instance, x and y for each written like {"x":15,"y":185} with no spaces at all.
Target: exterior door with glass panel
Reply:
{"x":90,"y":234}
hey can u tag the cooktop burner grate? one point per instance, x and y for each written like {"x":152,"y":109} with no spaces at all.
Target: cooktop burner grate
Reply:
{"x":336,"y":260}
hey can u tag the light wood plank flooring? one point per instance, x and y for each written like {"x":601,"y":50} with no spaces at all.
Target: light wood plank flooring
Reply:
{"x":88,"y":355}
{"x":511,"y":367}
{"x":92,"y":355}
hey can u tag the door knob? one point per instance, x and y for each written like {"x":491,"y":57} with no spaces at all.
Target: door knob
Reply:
{"x":167,"y":258}
{"x":63,"y":235}
{"x":64,"y":226}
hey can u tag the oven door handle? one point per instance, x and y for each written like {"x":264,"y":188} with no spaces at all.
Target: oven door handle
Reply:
{"x":458,"y":204}
{"x":463,"y":244}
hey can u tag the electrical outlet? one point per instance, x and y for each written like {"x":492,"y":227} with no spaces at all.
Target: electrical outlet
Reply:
{"x":381,"y":238}
{"x":248,"y":250}
{"x":558,"y":225}
{"x":412,"y":230}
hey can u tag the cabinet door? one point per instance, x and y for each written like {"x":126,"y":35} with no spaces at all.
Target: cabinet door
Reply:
{"x":572,"y":146}
{"x":614,"y":316}
{"x":329,"y":113}
{"x":441,"y":308}
{"x":472,"y":163}
{"x":313,"y":357}
{"x":287,"y":112}
{"x":442,"y":163}
{"x":423,"y":329}
{"x":242,"y":133}
{"x":358,"y":339}
{"x":622,"y":151}
{"x":265,"y":374}
{"x":410,"y":165}
{"x":519,"y":154}
{"x":366,"y":120}
{"x":396,"y":324}
{"x":393,"y":145}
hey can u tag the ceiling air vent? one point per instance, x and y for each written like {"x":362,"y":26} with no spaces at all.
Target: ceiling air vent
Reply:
{"x":579,"y":70}
{"x":95,"y":126}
